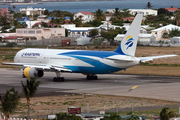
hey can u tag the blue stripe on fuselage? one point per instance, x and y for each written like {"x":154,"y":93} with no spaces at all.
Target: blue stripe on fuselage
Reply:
{"x":98,"y":67}
{"x":100,"y":54}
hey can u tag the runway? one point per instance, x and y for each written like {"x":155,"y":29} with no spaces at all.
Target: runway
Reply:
{"x":145,"y":86}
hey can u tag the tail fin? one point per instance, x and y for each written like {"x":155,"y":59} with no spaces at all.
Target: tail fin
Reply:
{"x":129,"y":42}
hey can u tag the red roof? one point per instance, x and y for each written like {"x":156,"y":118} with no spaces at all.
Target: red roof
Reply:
{"x":11,"y":37}
{"x":86,"y":12}
{"x":171,"y":9}
{"x":4,"y":11}
{"x":128,"y":18}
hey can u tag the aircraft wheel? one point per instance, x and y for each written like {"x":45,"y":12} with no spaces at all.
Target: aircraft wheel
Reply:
{"x":58,"y":79}
{"x":23,"y":76}
{"x":90,"y":77}
{"x":95,"y":77}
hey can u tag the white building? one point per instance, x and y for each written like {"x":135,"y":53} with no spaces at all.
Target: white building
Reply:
{"x":145,"y":12}
{"x":85,"y":16}
{"x":31,"y":23}
{"x":31,"y":11}
{"x":159,"y":31}
{"x":139,"y":11}
{"x":143,"y":38}
{"x":67,"y":26}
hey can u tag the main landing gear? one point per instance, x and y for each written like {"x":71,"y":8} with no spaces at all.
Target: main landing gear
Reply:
{"x":91,"y":77}
{"x":58,"y":78}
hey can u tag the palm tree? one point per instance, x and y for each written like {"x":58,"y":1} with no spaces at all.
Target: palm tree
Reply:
{"x":149,"y":6}
{"x":29,"y":90}
{"x":164,"y":115}
{"x":117,"y":13}
{"x":0,"y":12}
{"x":100,"y":15}
{"x":9,"y":102}
{"x":126,"y":12}
{"x":14,"y":7}
{"x":177,"y":17}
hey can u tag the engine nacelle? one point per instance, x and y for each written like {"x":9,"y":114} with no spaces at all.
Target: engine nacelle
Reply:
{"x":32,"y":72}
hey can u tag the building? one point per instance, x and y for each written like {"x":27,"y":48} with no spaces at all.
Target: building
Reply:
{"x":159,"y":31}
{"x":172,"y":10}
{"x":85,"y":16}
{"x":24,"y":19}
{"x":145,"y":12}
{"x":6,"y":1}
{"x":40,"y":33}
{"x":41,"y":18}
{"x":31,"y":23}
{"x":143,"y":38}
{"x":67,"y":26}
{"x":4,"y":11}
{"x":138,"y":11}
{"x":31,"y":11}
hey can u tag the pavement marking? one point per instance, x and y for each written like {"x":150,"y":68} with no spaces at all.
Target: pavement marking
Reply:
{"x":134,"y":87}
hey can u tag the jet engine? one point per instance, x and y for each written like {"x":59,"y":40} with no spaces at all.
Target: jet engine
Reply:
{"x":32,"y":72}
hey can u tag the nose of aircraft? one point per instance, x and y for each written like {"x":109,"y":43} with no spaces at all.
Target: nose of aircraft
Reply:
{"x":17,"y":57}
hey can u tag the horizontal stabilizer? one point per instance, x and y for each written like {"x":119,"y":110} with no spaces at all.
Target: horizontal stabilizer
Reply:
{"x":144,"y":59}
{"x":121,"y":58}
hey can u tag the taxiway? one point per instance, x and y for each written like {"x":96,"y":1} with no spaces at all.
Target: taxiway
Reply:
{"x":144,"y":86}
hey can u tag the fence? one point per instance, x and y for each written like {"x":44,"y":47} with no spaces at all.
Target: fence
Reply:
{"x":50,"y":42}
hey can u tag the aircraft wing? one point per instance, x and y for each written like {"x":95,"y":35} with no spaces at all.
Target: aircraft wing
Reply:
{"x":144,"y":59}
{"x":41,"y":66}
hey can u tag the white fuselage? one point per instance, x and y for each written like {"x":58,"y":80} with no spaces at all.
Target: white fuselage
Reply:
{"x":78,"y":61}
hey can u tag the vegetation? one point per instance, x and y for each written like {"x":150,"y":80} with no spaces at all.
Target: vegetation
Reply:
{"x":93,"y":32}
{"x":149,"y":6}
{"x":111,"y":33}
{"x":65,"y":116}
{"x":99,"y":15}
{"x":9,"y":102}
{"x":113,"y":116}
{"x":166,"y":113}
{"x":29,"y":90}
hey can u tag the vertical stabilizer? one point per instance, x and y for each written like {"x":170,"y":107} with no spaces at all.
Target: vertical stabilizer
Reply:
{"x":129,"y":42}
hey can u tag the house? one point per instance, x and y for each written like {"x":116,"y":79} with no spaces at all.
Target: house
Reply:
{"x":159,"y":31}
{"x":145,"y":12}
{"x":138,"y":11}
{"x":67,"y":19}
{"x":128,"y":19}
{"x":67,"y":26}
{"x":172,"y":10}
{"x":41,"y":17}
{"x":38,"y":24}
{"x":50,"y":18}
{"x":85,"y":16}
{"x":108,"y":16}
{"x":24,"y":19}
{"x":31,"y":11}
{"x":143,"y":38}
{"x":30,"y":24}
{"x":11,"y":39}
{"x":4,"y":11}
{"x":40,"y":33}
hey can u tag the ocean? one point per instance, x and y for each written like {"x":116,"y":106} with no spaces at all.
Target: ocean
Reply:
{"x":93,"y":6}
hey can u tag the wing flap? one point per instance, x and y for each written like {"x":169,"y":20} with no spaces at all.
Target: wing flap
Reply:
{"x":41,"y":66}
{"x":144,"y":59}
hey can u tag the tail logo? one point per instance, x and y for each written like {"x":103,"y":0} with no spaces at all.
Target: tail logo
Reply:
{"x":129,"y":42}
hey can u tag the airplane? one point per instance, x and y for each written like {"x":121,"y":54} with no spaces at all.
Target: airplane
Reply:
{"x":34,"y":61}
